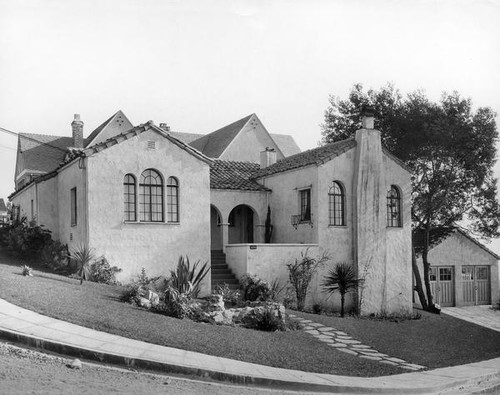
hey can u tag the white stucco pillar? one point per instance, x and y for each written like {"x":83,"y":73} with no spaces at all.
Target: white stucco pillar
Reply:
{"x":225,"y":235}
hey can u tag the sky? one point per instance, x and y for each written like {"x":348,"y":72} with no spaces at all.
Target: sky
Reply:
{"x":199,"y":65}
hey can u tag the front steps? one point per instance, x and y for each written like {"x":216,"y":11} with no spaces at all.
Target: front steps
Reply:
{"x":221,"y":273}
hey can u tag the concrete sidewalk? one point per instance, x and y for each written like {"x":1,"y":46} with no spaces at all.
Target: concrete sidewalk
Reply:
{"x":24,"y":326}
{"x":480,"y":315}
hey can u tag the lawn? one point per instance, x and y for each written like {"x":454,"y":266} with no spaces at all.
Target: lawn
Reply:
{"x":447,"y":341}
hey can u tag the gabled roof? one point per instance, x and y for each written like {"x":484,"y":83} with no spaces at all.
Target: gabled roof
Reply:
{"x":315,"y":156}
{"x":214,"y":144}
{"x":3,"y":207}
{"x":118,"y":117}
{"x":234,"y":175}
{"x":186,"y":137}
{"x":42,"y":152}
{"x":286,"y":144}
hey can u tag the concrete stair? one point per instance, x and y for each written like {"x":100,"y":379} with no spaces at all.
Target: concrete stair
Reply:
{"x":221,"y":273}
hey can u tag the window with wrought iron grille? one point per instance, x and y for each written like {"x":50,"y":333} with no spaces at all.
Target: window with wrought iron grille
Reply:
{"x":151,"y":197}
{"x":305,"y":205}
{"x":394,"y":208}
{"x":172,"y":200}
{"x":129,"y":193}
{"x":336,"y":204}
{"x":73,"y":207}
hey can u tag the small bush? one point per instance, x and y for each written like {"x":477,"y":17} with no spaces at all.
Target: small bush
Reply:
{"x":186,"y":278}
{"x":176,"y":304}
{"x":102,"y":272}
{"x":55,"y":257}
{"x":254,"y":289}
{"x":395,"y":317}
{"x":276,"y":289}
{"x":230,"y":297}
{"x":27,"y":271}
{"x":316,"y":308}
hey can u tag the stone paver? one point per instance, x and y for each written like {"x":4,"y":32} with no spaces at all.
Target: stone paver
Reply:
{"x":341,"y":341}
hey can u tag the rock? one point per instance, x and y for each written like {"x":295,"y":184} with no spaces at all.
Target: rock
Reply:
{"x":75,"y":364}
{"x":143,"y":302}
{"x":216,"y":303}
{"x":153,"y":298}
{"x":222,"y":317}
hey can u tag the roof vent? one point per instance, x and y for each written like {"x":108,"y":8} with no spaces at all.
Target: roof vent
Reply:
{"x":151,"y":144}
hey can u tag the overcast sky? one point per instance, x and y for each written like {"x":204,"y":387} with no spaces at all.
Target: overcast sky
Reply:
{"x":199,"y":65}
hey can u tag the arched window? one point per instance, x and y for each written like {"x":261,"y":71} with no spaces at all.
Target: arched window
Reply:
{"x":130,"y":210}
{"x":393,"y":207}
{"x":336,"y":204}
{"x":151,"y":196}
{"x":172,"y":200}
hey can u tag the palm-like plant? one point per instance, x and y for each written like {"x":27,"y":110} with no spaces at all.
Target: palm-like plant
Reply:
{"x":187,"y":279}
{"x":82,"y":256}
{"x":341,"y":278}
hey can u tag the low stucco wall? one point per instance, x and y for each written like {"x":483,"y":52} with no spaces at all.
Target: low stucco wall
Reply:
{"x":269,"y":262}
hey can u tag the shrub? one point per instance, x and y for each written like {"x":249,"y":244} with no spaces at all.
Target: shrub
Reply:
{"x":316,"y":308}
{"x":102,"y":272}
{"x":25,"y":239}
{"x":55,"y":256}
{"x":254,"y":289}
{"x":176,"y":304}
{"x":82,"y":256}
{"x":276,"y":289}
{"x":186,"y":278}
{"x":267,"y":321}
{"x":301,"y":272}
{"x":27,"y":271}
{"x":230,"y":297}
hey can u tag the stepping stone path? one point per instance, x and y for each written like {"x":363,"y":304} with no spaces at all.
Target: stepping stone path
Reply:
{"x":341,"y":341}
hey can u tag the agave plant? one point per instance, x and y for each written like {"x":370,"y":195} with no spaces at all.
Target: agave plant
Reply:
{"x":341,"y":278}
{"x":187,"y":279}
{"x":82,"y":256}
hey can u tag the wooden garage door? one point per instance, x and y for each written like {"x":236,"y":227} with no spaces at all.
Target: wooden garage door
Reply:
{"x":476,"y":285}
{"x":442,"y":285}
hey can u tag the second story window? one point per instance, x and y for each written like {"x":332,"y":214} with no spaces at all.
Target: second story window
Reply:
{"x":336,"y":204}
{"x":305,"y":205}
{"x":73,"y":205}
{"x":394,"y":208}
{"x":130,"y":211}
{"x":172,"y":200}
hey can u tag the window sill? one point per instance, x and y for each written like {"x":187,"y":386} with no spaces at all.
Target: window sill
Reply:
{"x":150,"y":223}
{"x":338,"y":226}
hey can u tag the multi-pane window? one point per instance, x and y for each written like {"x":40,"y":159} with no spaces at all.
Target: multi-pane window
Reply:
{"x":393,"y":207}
{"x":151,"y":196}
{"x":444,"y":274}
{"x":172,"y":200}
{"x":73,"y":207}
{"x":336,"y":204}
{"x":129,"y":186}
{"x":305,"y":205}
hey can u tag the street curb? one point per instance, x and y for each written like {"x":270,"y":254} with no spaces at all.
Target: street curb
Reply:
{"x":247,"y":379}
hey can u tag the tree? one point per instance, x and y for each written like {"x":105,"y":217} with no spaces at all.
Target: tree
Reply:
{"x":450,"y":150}
{"x":341,"y":278}
{"x":269,"y":227}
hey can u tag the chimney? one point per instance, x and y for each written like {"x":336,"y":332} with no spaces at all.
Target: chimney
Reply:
{"x":77,"y":126}
{"x":165,"y":127}
{"x":367,"y":117}
{"x":267,"y":157}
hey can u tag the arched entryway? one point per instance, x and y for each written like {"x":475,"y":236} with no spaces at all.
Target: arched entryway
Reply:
{"x":215,"y":229}
{"x":241,"y":225}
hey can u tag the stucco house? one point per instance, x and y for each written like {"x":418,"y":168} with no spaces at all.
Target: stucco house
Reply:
{"x":144,"y":195}
{"x":463,"y":271}
{"x":4,"y":213}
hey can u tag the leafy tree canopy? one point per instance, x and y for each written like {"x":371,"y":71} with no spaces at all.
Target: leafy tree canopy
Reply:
{"x":449,"y":147}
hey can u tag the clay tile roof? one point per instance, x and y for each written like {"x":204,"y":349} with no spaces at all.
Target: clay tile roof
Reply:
{"x":315,"y":156}
{"x":214,"y":144}
{"x":234,"y":175}
{"x":43,"y":152}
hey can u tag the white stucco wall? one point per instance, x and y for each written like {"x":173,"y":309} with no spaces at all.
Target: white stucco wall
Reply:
{"x":72,"y":176}
{"x":249,"y":143}
{"x":284,"y":202}
{"x":457,"y":250}
{"x":154,"y":246}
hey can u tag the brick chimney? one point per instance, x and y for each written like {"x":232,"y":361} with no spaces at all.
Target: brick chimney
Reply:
{"x":267,"y":157}
{"x":77,"y":126}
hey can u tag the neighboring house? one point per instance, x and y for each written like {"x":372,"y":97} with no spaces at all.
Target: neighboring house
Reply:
{"x":463,"y":271}
{"x":4,"y":213}
{"x":142,"y":196}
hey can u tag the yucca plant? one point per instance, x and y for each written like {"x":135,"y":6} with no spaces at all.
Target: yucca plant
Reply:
{"x":187,"y":279}
{"x":83,"y":255}
{"x":341,"y":278}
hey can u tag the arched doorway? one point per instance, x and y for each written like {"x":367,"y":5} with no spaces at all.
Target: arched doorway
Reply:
{"x":215,"y":229}
{"x":241,"y":225}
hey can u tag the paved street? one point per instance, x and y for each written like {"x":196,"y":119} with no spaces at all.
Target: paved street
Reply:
{"x":481,"y":315}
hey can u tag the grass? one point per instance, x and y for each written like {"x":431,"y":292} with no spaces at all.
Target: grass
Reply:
{"x":97,"y":306}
